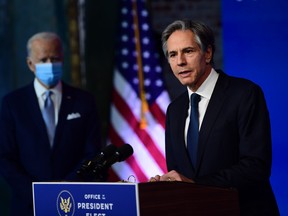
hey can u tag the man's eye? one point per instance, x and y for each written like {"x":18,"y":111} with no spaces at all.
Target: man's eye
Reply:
{"x":189,"y":51}
{"x":171,"y":55}
{"x":43,"y":60}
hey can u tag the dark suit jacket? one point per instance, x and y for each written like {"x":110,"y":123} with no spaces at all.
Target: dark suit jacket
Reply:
{"x":25,"y":152}
{"x":234,"y":143}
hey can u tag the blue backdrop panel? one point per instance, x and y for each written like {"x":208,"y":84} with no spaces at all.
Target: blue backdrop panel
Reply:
{"x":255,"y":40}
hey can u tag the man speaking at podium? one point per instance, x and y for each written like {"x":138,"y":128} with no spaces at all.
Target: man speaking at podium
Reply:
{"x":218,"y":131}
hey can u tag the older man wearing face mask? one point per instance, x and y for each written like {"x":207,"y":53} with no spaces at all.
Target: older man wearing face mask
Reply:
{"x":47,"y":128}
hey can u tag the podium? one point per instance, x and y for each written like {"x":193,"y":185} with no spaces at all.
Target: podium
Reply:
{"x":181,"y":198}
{"x":132,"y":199}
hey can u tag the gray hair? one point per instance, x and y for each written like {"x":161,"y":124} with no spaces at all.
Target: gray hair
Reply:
{"x":204,"y":36}
{"x":42,"y":35}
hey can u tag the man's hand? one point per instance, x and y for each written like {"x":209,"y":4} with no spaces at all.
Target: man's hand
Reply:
{"x":171,"y":176}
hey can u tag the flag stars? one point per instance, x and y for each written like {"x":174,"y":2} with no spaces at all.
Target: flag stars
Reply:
{"x":151,"y":77}
{"x":135,"y":81}
{"x":125,"y":38}
{"x":148,"y":96}
{"x":146,"y":54}
{"x":145,"y":27}
{"x":158,"y":83}
{"x":124,"y":24}
{"x":124,"y":10}
{"x":138,"y":68}
{"x":145,"y":40}
{"x":144,"y":13}
{"x":125,"y":65}
{"x":158,"y":69}
{"x":124,"y":51}
{"x":146,"y":68}
{"x":147,"y":82}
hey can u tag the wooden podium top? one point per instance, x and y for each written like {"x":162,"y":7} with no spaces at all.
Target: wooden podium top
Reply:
{"x":181,"y":198}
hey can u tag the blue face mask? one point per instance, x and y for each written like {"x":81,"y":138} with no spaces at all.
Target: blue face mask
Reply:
{"x":49,"y":73}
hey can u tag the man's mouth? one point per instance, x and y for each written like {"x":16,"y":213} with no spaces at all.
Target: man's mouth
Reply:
{"x":185,"y":73}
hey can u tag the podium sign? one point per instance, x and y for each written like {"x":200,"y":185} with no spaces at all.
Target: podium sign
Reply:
{"x":85,"y":199}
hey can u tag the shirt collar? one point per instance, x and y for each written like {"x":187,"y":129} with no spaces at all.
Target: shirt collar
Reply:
{"x":40,"y":89}
{"x":207,"y":87}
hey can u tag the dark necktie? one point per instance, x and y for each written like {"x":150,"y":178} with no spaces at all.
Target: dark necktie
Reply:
{"x":193,"y":129}
{"x":49,"y":116}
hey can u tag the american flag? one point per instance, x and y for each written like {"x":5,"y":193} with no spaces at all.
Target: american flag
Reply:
{"x":139,"y":97}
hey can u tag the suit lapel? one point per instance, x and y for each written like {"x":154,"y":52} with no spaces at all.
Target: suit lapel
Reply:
{"x":215,"y":105}
{"x":34,"y":111}
{"x":65,"y":108}
{"x":180,"y":117}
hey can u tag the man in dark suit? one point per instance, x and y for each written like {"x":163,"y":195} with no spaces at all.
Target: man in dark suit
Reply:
{"x":232,"y":142}
{"x":29,"y":152}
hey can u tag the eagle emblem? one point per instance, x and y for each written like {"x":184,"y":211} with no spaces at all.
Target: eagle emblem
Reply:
{"x":65,"y":204}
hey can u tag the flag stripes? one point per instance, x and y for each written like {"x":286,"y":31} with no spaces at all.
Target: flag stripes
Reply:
{"x":139,"y":99}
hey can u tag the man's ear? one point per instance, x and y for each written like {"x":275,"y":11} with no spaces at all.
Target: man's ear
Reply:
{"x":30,"y":64}
{"x":208,"y":54}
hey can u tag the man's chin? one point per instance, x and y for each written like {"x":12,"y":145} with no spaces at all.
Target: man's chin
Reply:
{"x":186,"y":82}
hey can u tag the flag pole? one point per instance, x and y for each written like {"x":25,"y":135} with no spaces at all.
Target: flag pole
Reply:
{"x":144,"y":105}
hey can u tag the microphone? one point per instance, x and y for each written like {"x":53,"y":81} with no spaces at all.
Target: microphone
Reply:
{"x":97,"y":169}
{"x":89,"y":165}
{"x":121,"y":154}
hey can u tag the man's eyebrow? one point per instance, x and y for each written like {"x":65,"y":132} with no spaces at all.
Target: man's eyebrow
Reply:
{"x":172,"y":51}
{"x":184,"y":49}
{"x":190,"y":47}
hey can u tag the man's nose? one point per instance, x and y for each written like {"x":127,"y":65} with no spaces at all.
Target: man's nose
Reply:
{"x":181,"y":60}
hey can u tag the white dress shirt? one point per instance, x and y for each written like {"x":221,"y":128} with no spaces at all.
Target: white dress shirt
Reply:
{"x":205,"y":91}
{"x":56,"y":96}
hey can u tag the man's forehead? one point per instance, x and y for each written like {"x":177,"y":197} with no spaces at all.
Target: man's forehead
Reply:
{"x":43,"y":42}
{"x":182,"y":47}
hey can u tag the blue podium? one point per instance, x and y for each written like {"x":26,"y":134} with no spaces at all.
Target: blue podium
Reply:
{"x":85,"y":199}
{"x":133,"y":199}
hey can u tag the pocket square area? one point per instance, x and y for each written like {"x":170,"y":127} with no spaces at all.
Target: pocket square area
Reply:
{"x":73,"y":116}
